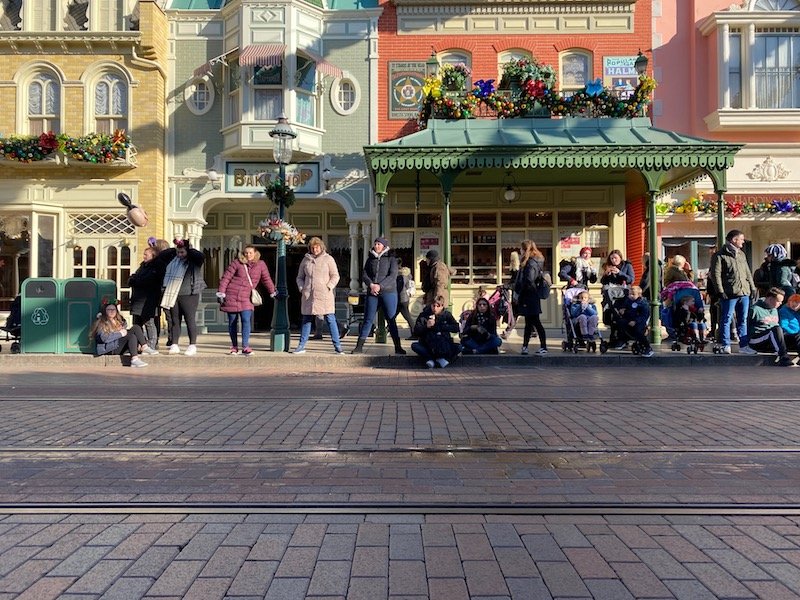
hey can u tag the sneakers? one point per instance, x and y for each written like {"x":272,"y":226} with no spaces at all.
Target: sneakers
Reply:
{"x":191,"y":350}
{"x":747,"y":350}
{"x":339,"y":351}
{"x":541,"y":351}
{"x":621,"y":346}
{"x":174,"y":349}
{"x":299,"y":350}
{"x":148,"y":350}
{"x":246,"y":351}
{"x":783,"y":361}
{"x":524,"y":350}
{"x":234,"y":350}
{"x":725,"y":350}
{"x":137,"y":362}
{"x":648,"y":353}
{"x":430,"y":364}
{"x":442,"y":362}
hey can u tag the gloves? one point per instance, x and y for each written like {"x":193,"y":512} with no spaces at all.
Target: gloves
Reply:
{"x":273,"y":294}
{"x":220,"y":298}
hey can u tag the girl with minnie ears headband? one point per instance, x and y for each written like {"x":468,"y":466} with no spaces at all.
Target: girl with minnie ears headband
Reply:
{"x":112,"y":336}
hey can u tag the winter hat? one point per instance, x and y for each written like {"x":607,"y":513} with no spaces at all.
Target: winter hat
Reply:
{"x":777,"y":251}
{"x":382,"y":240}
{"x":432,"y":255}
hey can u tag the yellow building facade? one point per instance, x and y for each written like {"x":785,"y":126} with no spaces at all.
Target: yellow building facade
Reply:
{"x":82,"y":88}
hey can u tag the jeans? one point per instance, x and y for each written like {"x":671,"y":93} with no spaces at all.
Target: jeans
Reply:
{"x":727,"y":306}
{"x":233,"y":327}
{"x":305,"y":330}
{"x":388,"y":302}
{"x":493,"y":343}
{"x":422,"y":350}
{"x":150,"y":329}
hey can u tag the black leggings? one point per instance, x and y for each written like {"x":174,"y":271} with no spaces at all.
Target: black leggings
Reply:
{"x":131,"y":342}
{"x":186,"y":307}
{"x":532,"y":321}
{"x":402,"y":309}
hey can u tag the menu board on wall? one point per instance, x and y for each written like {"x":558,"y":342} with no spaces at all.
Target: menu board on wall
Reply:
{"x":405,"y":88}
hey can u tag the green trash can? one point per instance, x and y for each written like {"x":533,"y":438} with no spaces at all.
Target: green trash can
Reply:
{"x":41,"y":322}
{"x":80,"y":301}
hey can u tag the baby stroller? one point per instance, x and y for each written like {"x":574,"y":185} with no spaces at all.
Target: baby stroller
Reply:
{"x":613,"y":297}
{"x":356,"y":304}
{"x":13,"y":326}
{"x":681,"y":332}
{"x":572,"y":342}
{"x":500,"y":303}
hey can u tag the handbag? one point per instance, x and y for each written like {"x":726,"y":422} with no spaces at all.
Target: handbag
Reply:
{"x":255,"y":297}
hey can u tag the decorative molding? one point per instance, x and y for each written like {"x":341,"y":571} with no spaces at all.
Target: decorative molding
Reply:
{"x":768,"y":170}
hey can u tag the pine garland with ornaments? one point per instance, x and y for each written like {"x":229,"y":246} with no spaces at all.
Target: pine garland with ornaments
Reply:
{"x":93,"y":148}
{"x":705,"y":204}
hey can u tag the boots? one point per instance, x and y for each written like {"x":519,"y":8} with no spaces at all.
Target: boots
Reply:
{"x":359,"y":349}
{"x":397,"y":348}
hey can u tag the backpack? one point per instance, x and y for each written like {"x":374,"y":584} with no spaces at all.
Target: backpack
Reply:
{"x":543,"y":283}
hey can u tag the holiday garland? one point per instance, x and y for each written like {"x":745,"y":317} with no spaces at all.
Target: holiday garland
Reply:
{"x":534,"y":91}
{"x":92,"y":148}
{"x":707,"y":204}
{"x":277,"y":189}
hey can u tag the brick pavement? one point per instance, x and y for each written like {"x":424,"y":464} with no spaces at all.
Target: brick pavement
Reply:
{"x":496,"y":451}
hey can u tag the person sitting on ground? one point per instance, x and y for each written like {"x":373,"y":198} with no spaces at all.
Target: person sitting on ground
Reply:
{"x":583,"y":313}
{"x":111,"y":333}
{"x":480,"y":330}
{"x":579,"y":271}
{"x":766,"y":334}
{"x":633,"y":319}
{"x":434,"y":328}
{"x":789,"y":316}
{"x":688,"y":313}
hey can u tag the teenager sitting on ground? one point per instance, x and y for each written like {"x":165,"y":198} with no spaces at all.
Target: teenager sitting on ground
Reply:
{"x":766,"y":334}
{"x":434,"y":328}
{"x":480,"y":331}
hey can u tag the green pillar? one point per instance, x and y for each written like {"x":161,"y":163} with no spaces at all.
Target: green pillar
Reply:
{"x":380,"y":323}
{"x":720,"y":218}
{"x":447,"y":252}
{"x":652,"y":242}
{"x":280,"y":334}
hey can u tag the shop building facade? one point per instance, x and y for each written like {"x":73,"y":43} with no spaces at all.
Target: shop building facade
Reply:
{"x":729,"y":71}
{"x":82,"y":86}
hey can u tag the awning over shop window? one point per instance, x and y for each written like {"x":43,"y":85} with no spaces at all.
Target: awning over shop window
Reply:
{"x":323,"y":66}
{"x":205,"y":68}
{"x":265,"y":55}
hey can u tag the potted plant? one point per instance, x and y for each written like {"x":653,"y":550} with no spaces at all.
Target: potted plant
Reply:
{"x":454,"y":77}
{"x":517,"y":72}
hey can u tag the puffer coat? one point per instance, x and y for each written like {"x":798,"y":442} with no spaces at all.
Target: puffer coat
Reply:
{"x":236,"y":287}
{"x":316,"y":279}
{"x":145,"y":286}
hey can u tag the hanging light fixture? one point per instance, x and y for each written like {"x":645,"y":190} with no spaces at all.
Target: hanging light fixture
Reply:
{"x":510,"y":188}
{"x":640,"y":64}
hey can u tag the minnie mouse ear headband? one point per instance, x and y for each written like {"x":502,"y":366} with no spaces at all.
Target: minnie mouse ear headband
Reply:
{"x":151,"y":241}
{"x":106,"y":303}
{"x":179,"y":243}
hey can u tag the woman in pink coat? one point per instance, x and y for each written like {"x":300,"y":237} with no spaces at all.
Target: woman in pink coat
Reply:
{"x":241,"y":276}
{"x":317,"y":278}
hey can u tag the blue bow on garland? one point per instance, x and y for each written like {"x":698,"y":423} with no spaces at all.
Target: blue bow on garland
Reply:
{"x":483,"y":88}
{"x":593,"y":88}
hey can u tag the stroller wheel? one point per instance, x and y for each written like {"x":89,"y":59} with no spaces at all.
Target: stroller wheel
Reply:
{"x":696,"y":349}
{"x":689,"y":349}
{"x":675,"y":347}
{"x":592,"y":347}
{"x":575,"y":348}
{"x":564,"y":346}
{"x":603,"y":347}
{"x":15,"y":348}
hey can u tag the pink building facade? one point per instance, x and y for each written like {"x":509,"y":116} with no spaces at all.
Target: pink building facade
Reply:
{"x":730,"y":70}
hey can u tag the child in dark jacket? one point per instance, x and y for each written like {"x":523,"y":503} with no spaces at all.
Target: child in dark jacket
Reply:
{"x":480,"y":330}
{"x":434,"y":328}
{"x":633,"y":318}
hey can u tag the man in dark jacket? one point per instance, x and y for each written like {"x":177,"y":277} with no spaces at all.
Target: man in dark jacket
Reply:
{"x":733,"y":280}
{"x":380,"y":277}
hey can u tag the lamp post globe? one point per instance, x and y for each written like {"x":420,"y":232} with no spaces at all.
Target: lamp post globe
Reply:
{"x":282,"y":135}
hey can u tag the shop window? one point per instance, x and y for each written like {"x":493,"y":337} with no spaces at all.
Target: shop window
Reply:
{"x":267,"y":92}
{"x":15,"y":248}
{"x":44,"y":104}
{"x":110,"y":104}
{"x":696,"y":251}
{"x":429,"y":220}
{"x":402,"y":220}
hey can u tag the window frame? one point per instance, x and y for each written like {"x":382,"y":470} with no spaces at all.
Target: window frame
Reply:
{"x":190,"y":92}
{"x":568,"y":90}
{"x":50,"y":121}
{"x":335,"y":94}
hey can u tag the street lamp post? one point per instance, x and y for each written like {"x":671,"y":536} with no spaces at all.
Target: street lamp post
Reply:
{"x":282,"y":135}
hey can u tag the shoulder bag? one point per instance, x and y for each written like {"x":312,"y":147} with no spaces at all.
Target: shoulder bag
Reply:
{"x":255,"y":297}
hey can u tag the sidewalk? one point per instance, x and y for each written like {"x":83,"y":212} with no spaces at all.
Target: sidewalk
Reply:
{"x":213,"y":348}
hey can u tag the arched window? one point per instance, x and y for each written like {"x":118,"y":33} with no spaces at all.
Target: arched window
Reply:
{"x":44,"y":104}
{"x":776,"y":5}
{"x":575,"y":72}
{"x":110,"y":103}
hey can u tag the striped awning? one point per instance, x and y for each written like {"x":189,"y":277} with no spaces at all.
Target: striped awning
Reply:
{"x":323,"y":66}
{"x":265,"y":55}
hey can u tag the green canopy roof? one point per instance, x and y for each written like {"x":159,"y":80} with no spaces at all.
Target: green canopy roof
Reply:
{"x":593,"y":146}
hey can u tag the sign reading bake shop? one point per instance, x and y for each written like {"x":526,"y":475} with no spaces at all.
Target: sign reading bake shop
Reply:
{"x":251,"y":178}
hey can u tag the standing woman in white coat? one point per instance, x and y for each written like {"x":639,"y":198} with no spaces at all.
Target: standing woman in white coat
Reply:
{"x":317,"y":278}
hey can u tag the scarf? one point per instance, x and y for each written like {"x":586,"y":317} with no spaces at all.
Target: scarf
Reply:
{"x":176,"y":270}
{"x":583,"y":268}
